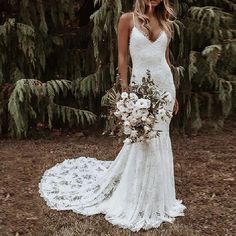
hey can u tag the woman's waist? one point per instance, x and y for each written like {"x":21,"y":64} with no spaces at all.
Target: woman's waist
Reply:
{"x":163,"y":75}
{"x":163,"y":83}
{"x":155,"y":69}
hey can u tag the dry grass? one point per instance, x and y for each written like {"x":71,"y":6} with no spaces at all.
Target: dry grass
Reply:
{"x":204,"y":170}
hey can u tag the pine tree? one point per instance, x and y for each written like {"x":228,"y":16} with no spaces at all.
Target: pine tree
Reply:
{"x":203,"y":54}
{"x":56,"y":63}
{"x":43,"y":50}
{"x":206,"y":47}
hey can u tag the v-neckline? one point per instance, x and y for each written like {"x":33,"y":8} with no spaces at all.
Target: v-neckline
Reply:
{"x":144,"y":35}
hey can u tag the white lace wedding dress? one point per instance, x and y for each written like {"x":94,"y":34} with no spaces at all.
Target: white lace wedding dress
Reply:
{"x":137,"y":189}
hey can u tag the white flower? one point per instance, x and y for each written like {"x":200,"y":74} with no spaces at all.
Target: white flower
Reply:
{"x":122,"y":109}
{"x":126,"y":123}
{"x":134,"y":133}
{"x":133,"y":121}
{"x":144,"y":118}
{"x":146,"y":128}
{"x":127,"y":130}
{"x":137,"y":114}
{"x":117,"y":113}
{"x":119,"y":103}
{"x":148,"y":121}
{"x":144,"y":112}
{"x":127,"y":140}
{"x":124,"y":116}
{"x":162,"y":112}
{"x":120,"y":106}
{"x":130,"y":105}
{"x":128,"y":110}
{"x":143,"y":103}
{"x":133,"y":96}
{"x":141,"y":138}
{"x":124,"y":95}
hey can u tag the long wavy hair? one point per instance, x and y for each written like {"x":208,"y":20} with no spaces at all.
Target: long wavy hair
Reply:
{"x":165,"y":15}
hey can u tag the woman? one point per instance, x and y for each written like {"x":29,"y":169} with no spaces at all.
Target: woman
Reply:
{"x":137,"y":189}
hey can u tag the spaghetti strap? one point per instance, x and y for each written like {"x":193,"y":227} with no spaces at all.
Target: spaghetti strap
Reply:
{"x":133,"y":18}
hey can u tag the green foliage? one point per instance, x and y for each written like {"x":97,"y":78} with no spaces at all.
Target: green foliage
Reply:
{"x":50,"y":65}
{"x":105,"y":21}
{"x":209,"y":43}
{"x":203,"y":54}
{"x":39,"y":47}
{"x":32,"y":100}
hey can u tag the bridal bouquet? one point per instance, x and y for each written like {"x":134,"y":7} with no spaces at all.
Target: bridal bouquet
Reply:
{"x":141,"y":109}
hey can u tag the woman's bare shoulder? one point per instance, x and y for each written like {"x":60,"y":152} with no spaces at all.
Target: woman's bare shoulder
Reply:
{"x":126,"y":17}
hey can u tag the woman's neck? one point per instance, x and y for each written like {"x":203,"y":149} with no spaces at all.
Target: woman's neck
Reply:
{"x":150,"y":12}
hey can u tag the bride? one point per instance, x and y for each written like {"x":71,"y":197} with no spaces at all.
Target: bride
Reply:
{"x":136,"y":190}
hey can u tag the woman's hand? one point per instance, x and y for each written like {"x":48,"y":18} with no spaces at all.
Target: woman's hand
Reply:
{"x":124,"y":88}
{"x":176,"y":107}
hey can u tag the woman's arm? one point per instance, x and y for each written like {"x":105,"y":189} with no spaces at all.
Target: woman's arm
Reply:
{"x":123,"y":42}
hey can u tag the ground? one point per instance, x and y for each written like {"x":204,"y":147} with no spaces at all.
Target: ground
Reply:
{"x":204,"y":175}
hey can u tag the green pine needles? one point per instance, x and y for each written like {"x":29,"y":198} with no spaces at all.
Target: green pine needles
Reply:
{"x":55,"y":70}
{"x":210,"y":43}
{"x":33,"y":101}
{"x":40,"y":65}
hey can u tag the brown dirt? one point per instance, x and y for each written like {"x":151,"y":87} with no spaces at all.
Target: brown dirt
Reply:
{"x":204,"y":170}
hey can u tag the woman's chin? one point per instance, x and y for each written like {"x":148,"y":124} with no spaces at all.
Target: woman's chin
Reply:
{"x":154,"y":4}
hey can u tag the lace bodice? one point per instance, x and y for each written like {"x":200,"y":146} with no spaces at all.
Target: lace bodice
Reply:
{"x":151,"y":55}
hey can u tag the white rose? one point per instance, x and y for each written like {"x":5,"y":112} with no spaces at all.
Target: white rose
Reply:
{"x":117,"y":113}
{"x":141,"y":138}
{"x":146,"y":128}
{"x":122,"y":109}
{"x":144,"y":113}
{"x":119,"y":103}
{"x":128,"y":110}
{"x":126,"y":123}
{"x":148,"y":121}
{"x":137,"y":114}
{"x":144,"y":118}
{"x":143,"y":103}
{"x":134,"y":133}
{"x":133,"y":96}
{"x":127,"y":140}
{"x":124,"y":95}
{"x":133,"y":121}
{"x":130,"y":104}
{"x":124,"y":116}
{"x":127,"y":131}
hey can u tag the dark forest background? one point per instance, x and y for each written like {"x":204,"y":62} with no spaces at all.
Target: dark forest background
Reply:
{"x":59,"y":57}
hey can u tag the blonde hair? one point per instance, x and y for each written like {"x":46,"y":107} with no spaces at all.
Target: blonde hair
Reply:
{"x":164,"y":13}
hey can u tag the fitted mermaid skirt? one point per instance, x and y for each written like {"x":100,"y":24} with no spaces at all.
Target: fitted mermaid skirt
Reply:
{"x":134,"y":191}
